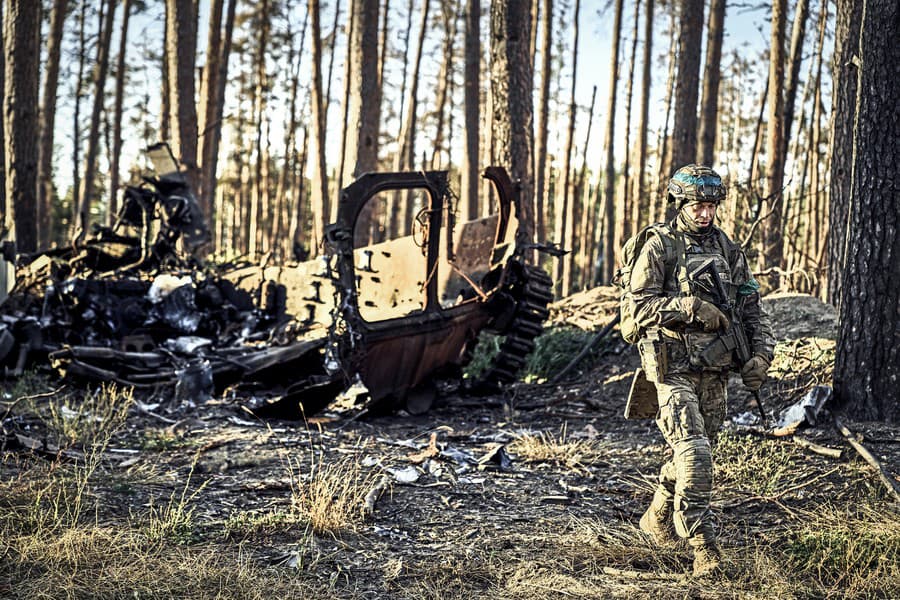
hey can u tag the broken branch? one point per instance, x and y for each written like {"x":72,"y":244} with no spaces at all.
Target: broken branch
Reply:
{"x":869,"y":458}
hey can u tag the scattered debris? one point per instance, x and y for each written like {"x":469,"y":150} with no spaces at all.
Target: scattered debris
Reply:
{"x":384,"y":319}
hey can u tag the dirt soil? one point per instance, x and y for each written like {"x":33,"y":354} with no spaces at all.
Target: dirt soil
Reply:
{"x":532,"y":494}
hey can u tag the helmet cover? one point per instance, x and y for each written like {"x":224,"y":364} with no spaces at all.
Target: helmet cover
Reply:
{"x":695,"y":183}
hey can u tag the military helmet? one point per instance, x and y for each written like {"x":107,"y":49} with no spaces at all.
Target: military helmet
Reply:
{"x":695,"y":183}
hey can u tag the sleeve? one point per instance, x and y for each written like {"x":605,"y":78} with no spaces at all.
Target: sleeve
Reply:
{"x":753,"y":313}
{"x":652,"y":306}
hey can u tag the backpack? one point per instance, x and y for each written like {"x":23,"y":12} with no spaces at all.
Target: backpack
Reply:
{"x":673,"y":245}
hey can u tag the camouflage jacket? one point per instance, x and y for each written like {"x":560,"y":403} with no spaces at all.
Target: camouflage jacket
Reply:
{"x":656,"y":293}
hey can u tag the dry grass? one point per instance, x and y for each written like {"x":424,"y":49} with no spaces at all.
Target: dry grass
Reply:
{"x":331,"y":495}
{"x":560,"y":450}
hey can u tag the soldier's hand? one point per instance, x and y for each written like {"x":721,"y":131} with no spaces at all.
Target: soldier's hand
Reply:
{"x":706,"y":313}
{"x":753,"y":373}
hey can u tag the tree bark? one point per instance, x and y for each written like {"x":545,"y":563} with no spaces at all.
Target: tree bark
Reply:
{"x":566,"y":211}
{"x":405,"y":159}
{"x":798,"y":34}
{"x":774,"y":199}
{"x":709,"y":105}
{"x":512,"y":84}
{"x":181,"y":24}
{"x":472,"y":103}
{"x":319,"y":190}
{"x":632,"y":208}
{"x":844,"y":75}
{"x":867,"y":352}
{"x":208,"y":109}
{"x":684,"y":128}
{"x":640,"y":187}
{"x":90,"y":157}
{"x":260,"y":95}
{"x":609,"y":221}
{"x":365,"y":106}
{"x":540,"y":163}
{"x":657,"y":198}
{"x":48,"y":120}
{"x":445,"y":78}
{"x":121,"y":65}
{"x":21,"y":40}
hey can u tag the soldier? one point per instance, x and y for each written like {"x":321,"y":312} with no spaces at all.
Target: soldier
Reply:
{"x":682,"y":351}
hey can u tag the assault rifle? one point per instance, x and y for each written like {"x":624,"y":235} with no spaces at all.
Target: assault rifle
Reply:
{"x":706,"y":277}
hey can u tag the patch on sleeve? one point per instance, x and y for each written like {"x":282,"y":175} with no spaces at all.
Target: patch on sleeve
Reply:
{"x":749,"y":287}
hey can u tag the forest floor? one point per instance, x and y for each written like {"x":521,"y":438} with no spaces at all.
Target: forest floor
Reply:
{"x":535,"y":493}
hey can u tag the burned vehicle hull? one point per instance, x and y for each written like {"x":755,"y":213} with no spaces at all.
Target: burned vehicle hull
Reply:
{"x":391,"y":313}
{"x":469,"y":281}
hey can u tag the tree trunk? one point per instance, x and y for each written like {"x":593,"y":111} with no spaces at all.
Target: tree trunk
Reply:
{"x":348,"y":74}
{"x":383,"y":41}
{"x":319,"y":190}
{"x":512,"y":84}
{"x":640,"y":187}
{"x":445,"y":78}
{"x":21,"y":40}
{"x":48,"y":120}
{"x":709,"y":105}
{"x":540,"y":164}
{"x":365,"y":106}
{"x":406,"y":143}
{"x":334,"y":34}
{"x":798,"y":34}
{"x":208,"y":110}
{"x":844,"y":75}
{"x":285,"y":179}
{"x":657,"y":197}
{"x":774,"y":199}
{"x":588,"y":217}
{"x":867,"y":352}
{"x":609,"y":221}
{"x":181,"y":23}
{"x":565,"y":226}
{"x":631,"y":205}
{"x":90,"y":157}
{"x":684,"y":128}
{"x":472,"y":100}
{"x":165,"y":109}
{"x":121,"y":65}
{"x":261,"y":120}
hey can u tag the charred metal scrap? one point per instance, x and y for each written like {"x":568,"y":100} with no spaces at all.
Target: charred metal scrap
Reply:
{"x":130,"y":303}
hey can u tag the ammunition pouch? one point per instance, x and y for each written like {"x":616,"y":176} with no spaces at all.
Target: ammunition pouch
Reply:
{"x":654,"y":357}
{"x":710,"y":351}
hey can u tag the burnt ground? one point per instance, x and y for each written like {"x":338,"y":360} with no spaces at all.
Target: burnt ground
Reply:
{"x":557,"y":520}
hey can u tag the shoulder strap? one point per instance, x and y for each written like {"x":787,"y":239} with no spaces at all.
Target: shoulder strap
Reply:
{"x":673,"y":243}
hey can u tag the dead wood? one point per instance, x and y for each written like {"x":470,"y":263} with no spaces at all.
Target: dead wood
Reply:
{"x":885,"y":477}
{"x":374,"y":494}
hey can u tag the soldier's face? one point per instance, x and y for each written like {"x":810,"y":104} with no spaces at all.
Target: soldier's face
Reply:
{"x":702,"y":213}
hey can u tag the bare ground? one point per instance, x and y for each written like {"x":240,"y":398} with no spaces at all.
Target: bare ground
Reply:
{"x":558,"y":520}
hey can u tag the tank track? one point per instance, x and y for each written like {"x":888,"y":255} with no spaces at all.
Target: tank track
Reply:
{"x":532,"y":292}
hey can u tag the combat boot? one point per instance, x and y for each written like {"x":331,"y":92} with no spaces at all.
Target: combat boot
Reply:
{"x":707,"y":559}
{"x":657,"y":521}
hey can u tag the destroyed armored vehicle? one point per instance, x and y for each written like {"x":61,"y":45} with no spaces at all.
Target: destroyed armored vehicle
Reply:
{"x":390,"y":313}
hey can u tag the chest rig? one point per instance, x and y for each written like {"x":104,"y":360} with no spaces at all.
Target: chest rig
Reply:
{"x":690,"y":348}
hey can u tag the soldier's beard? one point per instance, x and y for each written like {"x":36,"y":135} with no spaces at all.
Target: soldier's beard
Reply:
{"x":687,"y":223}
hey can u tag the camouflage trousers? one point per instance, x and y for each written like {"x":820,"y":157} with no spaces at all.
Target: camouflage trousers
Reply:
{"x":691,"y":411}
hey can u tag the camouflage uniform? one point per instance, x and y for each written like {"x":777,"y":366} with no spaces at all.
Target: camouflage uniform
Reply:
{"x":692,"y":398}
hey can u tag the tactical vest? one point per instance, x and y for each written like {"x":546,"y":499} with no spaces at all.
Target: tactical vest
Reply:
{"x":683,"y":255}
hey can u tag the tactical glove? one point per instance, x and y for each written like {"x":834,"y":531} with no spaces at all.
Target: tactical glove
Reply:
{"x":705,"y":313}
{"x":753,"y":373}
